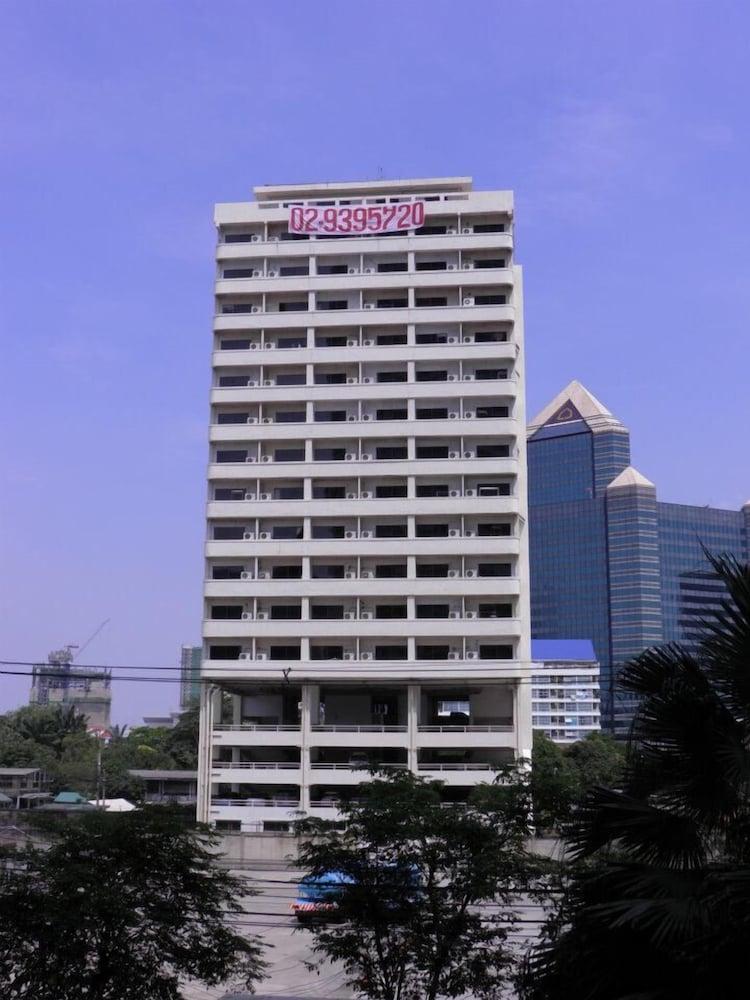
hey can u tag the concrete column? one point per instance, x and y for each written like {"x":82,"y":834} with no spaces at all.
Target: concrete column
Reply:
{"x":413,"y":698}
{"x":310,"y":697}
{"x":205,"y":745}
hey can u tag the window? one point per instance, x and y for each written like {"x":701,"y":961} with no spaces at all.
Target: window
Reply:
{"x":493,"y":530}
{"x":431,"y":338}
{"x":288,"y":492}
{"x":431,"y":231}
{"x":391,"y":377}
{"x":293,"y":270}
{"x":491,"y":411}
{"x":392,"y":414}
{"x":432,"y":413}
{"x":235,"y":345}
{"x":329,"y":492}
{"x":492,"y":451}
{"x":495,"y":652}
{"x":333,"y":269}
{"x":329,"y":454}
{"x":431,"y":300}
{"x":432,"y":490}
{"x":390,"y":611}
{"x":330,"y":341}
{"x":390,"y":531}
{"x":390,"y":339}
{"x":432,"y":531}
{"x":489,"y":227}
{"x":391,"y":652}
{"x":432,"y":570}
{"x":326,"y":612}
{"x":330,"y":378}
{"x":328,"y":531}
{"x":229,"y":493}
{"x":390,"y":571}
{"x":224,"y":652}
{"x":290,"y":417}
{"x":289,"y":307}
{"x":493,"y":569}
{"x":391,"y":452}
{"x":432,"y":451}
{"x":289,"y":455}
{"x":238,"y":307}
{"x":226,"y":572}
{"x":291,"y":378}
{"x":388,"y":267}
{"x":287,"y":531}
{"x":226,"y":612}
{"x":490,"y":337}
{"x":432,"y":376}
{"x":326,"y":652}
{"x":495,"y":610}
{"x":229,"y":532}
{"x":286,"y":573}
{"x":288,"y":343}
{"x":232,"y":381}
{"x":431,"y":265}
{"x":390,"y":491}
{"x":239,"y":237}
{"x":330,"y":416}
{"x":433,"y":610}
{"x":490,"y":300}
{"x":392,"y":303}
{"x":432,"y":652}
{"x":493,"y":489}
{"x":285,"y":653}
{"x":230,"y":455}
{"x":323,"y":572}
{"x":330,"y":304}
{"x":486,"y":374}
{"x":286,"y":612}
{"x":490,"y":262}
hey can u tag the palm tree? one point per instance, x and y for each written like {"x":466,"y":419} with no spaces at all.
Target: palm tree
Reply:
{"x":49,"y":726}
{"x":657,"y":903}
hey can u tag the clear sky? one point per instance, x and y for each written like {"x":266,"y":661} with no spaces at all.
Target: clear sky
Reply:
{"x":623,"y":129}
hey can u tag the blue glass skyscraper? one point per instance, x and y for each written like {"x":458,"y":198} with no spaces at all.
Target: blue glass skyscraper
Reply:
{"x":609,"y":562}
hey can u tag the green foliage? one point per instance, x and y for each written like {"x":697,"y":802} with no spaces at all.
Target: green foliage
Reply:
{"x":658,"y":904}
{"x":554,"y":783}
{"x":121,"y":907}
{"x":410,"y":928}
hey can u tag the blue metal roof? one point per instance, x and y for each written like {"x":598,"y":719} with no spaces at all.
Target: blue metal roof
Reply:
{"x":562,"y":649}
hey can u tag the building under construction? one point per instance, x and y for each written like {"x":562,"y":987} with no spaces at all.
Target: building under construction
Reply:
{"x":60,"y":682}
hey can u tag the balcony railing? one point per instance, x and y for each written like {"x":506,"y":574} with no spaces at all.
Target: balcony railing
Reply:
{"x":356,"y":767}
{"x":248,"y":727}
{"x":355,"y":728}
{"x":255,"y":803}
{"x":456,"y":767}
{"x":256,"y":765}
{"x":503,"y":726}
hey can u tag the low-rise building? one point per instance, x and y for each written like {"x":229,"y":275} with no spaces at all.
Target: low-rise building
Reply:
{"x":168,"y":786}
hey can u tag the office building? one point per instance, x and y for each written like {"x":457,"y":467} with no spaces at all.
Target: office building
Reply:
{"x":609,"y":561}
{"x":564,"y":689}
{"x":61,"y":682}
{"x":366,"y":595}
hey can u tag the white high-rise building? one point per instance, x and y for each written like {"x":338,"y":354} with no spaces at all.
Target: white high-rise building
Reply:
{"x":367,"y":589}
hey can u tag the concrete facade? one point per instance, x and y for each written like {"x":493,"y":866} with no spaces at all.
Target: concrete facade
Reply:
{"x":366,"y":594}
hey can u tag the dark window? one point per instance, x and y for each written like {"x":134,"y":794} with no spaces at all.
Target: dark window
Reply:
{"x":291,"y":378}
{"x":490,"y":300}
{"x":226,"y":612}
{"x":431,"y":338}
{"x":330,"y":378}
{"x":433,"y":490}
{"x":390,"y":531}
{"x":288,"y":531}
{"x":228,"y":532}
{"x":493,"y":530}
{"x":432,"y":376}
{"x":493,"y":451}
{"x":292,"y":307}
{"x":289,"y":455}
{"x":490,"y":337}
{"x":330,"y":416}
{"x":291,"y":237}
{"x":495,"y":652}
{"x":288,"y":492}
{"x":493,"y":569}
{"x":231,"y":418}
{"x":392,"y":303}
{"x":432,"y":300}
{"x":326,"y":652}
{"x":235,"y":345}
{"x":432,"y":451}
{"x":433,"y":610}
{"x":391,"y":377}
{"x":226,"y":573}
{"x":493,"y":489}
{"x":390,"y":571}
{"x":495,"y":610}
{"x":328,"y":531}
{"x":324,"y":612}
{"x":333,"y":269}
{"x":432,"y":531}
{"x":391,"y":652}
{"x":433,"y":652}
{"x":286,"y":573}
{"x":229,"y":493}
{"x":326,"y":572}
{"x":238,"y":237}
{"x":392,"y":414}
{"x":233,"y":381}
{"x":330,"y":341}
{"x":390,"y":491}
{"x":290,"y":417}
{"x":388,"y":267}
{"x":432,"y":570}
{"x":224,"y":652}
{"x":237,"y":272}
{"x":329,"y":492}
{"x":285,"y":652}
{"x":390,"y":339}
{"x":293,"y":270}
{"x":432,"y":413}
{"x":492,"y":411}
{"x":489,"y":227}
{"x":330,"y":304}
{"x":391,"y":451}
{"x":431,"y":231}
{"x":390,"y":611}
{"x":287,"y":343}
{"x":431,"y":265}
{"x":286,"y":612}
{"x":485,"y":374}
{"x":490,"y":262}
{"x":329,"y":454}
{"x":238,"y":307}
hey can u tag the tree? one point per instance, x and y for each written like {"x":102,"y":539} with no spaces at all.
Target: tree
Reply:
{"x":658,"y":905}
{"x":50,"y":726}
{"x":554,"y":783}
{"x":120,"y":907}
{"x":419,"y":868}
{"x":182,"y":739}
{"x":596,"y":760}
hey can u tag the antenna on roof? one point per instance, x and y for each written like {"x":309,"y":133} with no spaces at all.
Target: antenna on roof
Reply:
{"x":381,"y":175}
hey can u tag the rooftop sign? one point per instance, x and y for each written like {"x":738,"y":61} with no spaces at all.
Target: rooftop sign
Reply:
{"x":354,"y":220}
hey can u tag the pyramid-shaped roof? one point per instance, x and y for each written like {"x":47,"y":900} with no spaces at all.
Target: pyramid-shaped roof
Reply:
{"x":630,"y":477}
{"x":575,"y":402}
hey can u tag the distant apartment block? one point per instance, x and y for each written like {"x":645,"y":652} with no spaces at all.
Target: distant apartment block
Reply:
{"x":564,"y":689}
{"x":190,"y":676}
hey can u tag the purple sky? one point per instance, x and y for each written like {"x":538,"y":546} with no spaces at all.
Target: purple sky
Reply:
{"x":623,"y":129}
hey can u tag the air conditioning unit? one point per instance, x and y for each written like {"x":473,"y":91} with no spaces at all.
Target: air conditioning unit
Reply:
{"x":351,"y":380}
{"x":367,"y":574}
{"x":262,"y":616}
{"x":269,"y":346}
{"x":349,"y":615}
{"x":249,"y":496}
{"x":349,"y":656}
{"x":261,"y":656}
{"x":366,"y":534}
{"x":254,"y":238}
{"x":471,"y":614}
{"x":368,"y":343}
{"x":255,"y":309}
{"x":273,"y":273}
{"x":351,"y":496}
{"x":262,"y":574}
{"x":349,"y":575}
{"x":266,"y":458}
{"x":452,"y":340}
{"x":257,"y":274}
{"x":366,"y":416}
{"x":450,"y":231}
{"x":452,"y":573}
{"x":455,"y":493}
{"x":367,"y":458}
{"x":451,"y":378}
{"x":350,"y":457}
{"x":251,"y":458}
{"x":253,"y":346}
{"x":366,"y":495}
{"x":366,"y":616}
{"x":468,"y":377}
{"x":264,"y":535}
{"x":246,"y":616}
{"x":469,"y":493}
{"x":452,"y":416}
{"x":468,"y":338}
{"x":245,"y":655}
{"x":267,"y":381}
{"x":267,"y":420}
{"x":273,"y":239}
{"x":367,"y":380}
{"x":252,"y":420}
{"x":468,"y":414}
{"x":452,"y":454}
{"x":468,"y":454}
{"x":468,"y":300}
{"x":366,"y":656}
{"x":351,"y":343}
{"x":451,"y":267}
{"x":248,"y":535}
{"x":471,"y":533}
{"x":472,"y":655}
{"x":369,"y":305}
{"x":352,"y":270}
{"x":453,"y":533}
{"x":467,"y":265}
{"x":246,"y":576}
{"x":455,"y":614}
{"x":369,"y":270}
{"x":350,"y":534}
{"x":470,"y":574}
{"x":251,"y":381}
{"x":452,"y":656}
{"x":265,"y":496}
{"x":466,"y":230}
